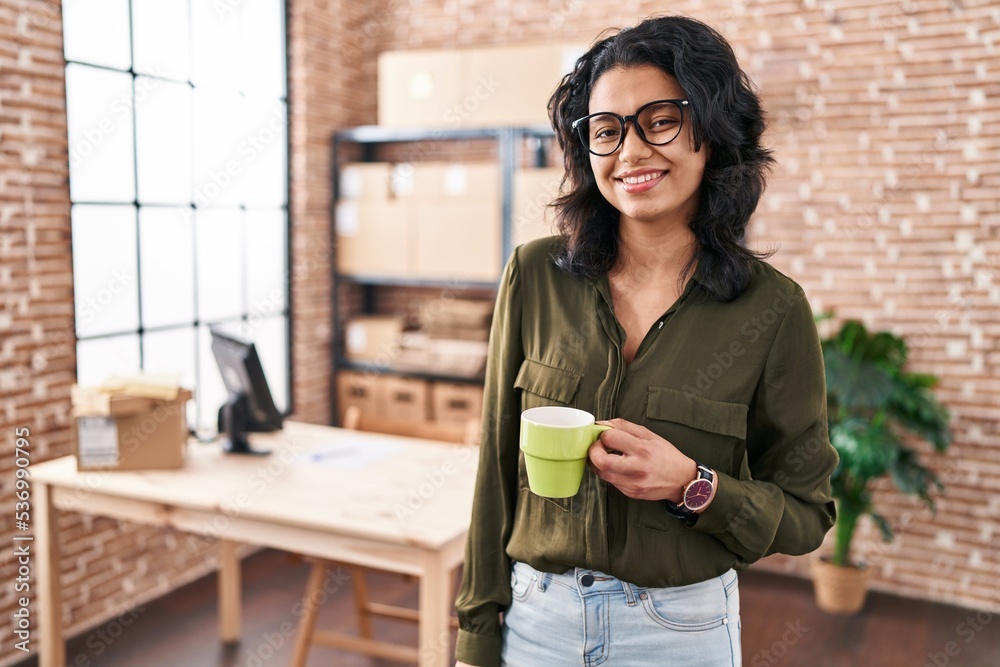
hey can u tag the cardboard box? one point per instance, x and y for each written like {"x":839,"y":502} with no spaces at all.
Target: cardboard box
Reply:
{"x":373,"y":238}
{"x":123,"y":432}
{"x":511,"y":85}
{"x":448,"y":180}
{"x":534,"y":190}
{"x":437,"y":329}
{"x":452,"y":402}
{"x":505,"y":85}
{"x":421,"y":353}
{"x":365,"y":180}
{"x":405,"y":398}
{"x":417,"y":88}
{"x":364,"y":390}
{"x":457,"y":240}
{"x":373,"y":338}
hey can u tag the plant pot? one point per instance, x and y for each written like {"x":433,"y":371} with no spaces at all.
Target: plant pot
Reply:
{"x":839,"y":590}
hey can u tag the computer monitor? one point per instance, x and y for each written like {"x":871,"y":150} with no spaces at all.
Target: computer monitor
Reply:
{"x":250,"y":407}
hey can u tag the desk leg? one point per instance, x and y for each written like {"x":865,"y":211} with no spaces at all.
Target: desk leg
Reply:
{"x":230,"y":604}
{"x":435,"y":614}
{"x":51,"y":647}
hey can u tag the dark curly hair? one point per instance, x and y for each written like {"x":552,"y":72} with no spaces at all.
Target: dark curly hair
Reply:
{"x":725,"y":113}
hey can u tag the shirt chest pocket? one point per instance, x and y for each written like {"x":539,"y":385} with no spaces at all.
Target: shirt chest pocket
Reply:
{"x":709,"y":431}
{"x":541,"y":384}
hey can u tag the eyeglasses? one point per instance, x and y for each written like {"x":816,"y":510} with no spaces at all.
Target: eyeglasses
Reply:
{"x":657,"y":123}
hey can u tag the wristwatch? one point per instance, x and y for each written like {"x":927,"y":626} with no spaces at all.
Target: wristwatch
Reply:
{"x":694,"y":497}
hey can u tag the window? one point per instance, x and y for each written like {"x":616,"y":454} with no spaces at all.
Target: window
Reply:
{"x":178,"y":162}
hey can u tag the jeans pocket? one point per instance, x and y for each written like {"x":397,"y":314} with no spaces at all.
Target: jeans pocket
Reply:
{"x":522,"y":579}
{"x":693,"y":608}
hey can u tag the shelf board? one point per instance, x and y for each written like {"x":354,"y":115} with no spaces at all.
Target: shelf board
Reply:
{"x":345,"y":365}
{"x":418,"y":282}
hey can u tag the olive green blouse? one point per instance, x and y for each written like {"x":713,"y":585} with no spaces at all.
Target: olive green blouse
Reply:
{"x":737,"y":386}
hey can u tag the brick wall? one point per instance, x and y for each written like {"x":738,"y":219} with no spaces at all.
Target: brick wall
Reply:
{"x":884,"y":119}
{"x":329,"y":54}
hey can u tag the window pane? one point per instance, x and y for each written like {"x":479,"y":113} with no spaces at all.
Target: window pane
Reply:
{"x":99,"y":118}
{"x":211,"y":392}
{"x":220,"y":148}
{"x":263,"y":47}
{"x":171,"y":352}
{"x":269,"y":338}
{"x":162,"y":38}
{"x":265,"y":252}
{"x":167,"y":265}
{"x":215,"y":35}
{"x":97,"y":32}
{"x":105,"y":288}
{"x":163,"y":139}
{"x":220,"y":264}
{"x":262,"y":153}
{"x":99,"y":359}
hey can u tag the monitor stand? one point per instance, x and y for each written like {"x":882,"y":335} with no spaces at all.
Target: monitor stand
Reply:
{"x":234,"y":422}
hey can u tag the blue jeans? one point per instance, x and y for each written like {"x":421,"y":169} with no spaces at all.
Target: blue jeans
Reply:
{"x":585,"y":618}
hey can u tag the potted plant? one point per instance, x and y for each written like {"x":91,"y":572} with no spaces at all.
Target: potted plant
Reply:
{"x":876,"y":412}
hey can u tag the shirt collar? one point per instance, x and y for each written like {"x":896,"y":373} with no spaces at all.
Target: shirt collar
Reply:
{"x":603,"y":287}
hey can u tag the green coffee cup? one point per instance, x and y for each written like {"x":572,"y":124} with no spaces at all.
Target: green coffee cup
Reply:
{"x":555,"y":441}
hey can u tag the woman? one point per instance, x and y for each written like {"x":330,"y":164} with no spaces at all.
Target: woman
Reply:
{"x":647,"y":311}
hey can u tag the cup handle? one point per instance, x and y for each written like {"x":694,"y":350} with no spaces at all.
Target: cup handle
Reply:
{"x":598,"y":429}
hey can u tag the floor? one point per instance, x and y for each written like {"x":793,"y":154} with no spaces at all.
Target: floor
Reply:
{"x":781,"y":626}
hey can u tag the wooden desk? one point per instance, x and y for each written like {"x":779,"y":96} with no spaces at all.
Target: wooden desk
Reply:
{"x":406,"y":512}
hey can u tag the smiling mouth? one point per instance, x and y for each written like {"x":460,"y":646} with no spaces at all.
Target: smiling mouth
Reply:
{"x":642,"y":178}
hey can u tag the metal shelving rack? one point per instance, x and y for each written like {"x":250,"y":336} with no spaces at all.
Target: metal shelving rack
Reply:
{"x":510,"y":146}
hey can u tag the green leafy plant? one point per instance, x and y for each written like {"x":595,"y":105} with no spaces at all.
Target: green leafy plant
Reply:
{"x":873,"y":403}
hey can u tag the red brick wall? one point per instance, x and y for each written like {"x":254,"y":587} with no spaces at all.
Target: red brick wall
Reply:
{"x":329,"y":49}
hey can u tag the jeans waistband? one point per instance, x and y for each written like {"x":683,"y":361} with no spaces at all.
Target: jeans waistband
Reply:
{"x":590,"y":582}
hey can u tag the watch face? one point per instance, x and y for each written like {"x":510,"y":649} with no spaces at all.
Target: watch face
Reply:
{"x":697,"y":494}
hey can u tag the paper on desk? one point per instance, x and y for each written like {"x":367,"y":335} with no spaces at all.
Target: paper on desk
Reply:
{"x":349,"y":455}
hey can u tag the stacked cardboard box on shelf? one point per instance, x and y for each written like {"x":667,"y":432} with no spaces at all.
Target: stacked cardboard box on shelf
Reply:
{"x":452,"y":339}
{"x":433,"y":220}
{"x":478,"y":87}
{"x":534,"y":190}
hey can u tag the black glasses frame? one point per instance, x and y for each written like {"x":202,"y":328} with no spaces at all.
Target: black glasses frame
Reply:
{"x":580,"y":124}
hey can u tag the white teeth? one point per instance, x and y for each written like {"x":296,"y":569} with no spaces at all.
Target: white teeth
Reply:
{"x":636,"y":180}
